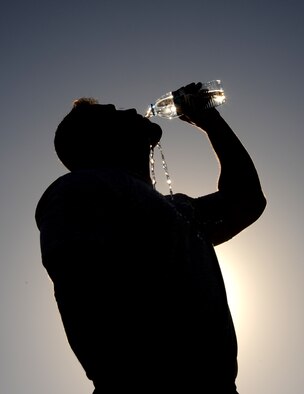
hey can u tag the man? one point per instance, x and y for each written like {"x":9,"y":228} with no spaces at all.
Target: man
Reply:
{"x":135,"y":274}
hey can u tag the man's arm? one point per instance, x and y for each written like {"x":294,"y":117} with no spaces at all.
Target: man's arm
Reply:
{"x":240,"y":200}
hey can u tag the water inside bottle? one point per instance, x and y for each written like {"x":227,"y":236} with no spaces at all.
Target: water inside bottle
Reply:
{"x":163,"y":107}
{"x":217,"y":97}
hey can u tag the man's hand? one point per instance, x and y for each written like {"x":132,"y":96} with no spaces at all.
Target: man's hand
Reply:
{"x":191,"y":88}
{"x":191,"y":101}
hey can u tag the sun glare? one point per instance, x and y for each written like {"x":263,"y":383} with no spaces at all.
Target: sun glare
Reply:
{"x":232,"y":284}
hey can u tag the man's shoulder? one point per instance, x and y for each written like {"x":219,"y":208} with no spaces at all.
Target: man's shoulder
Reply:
{"x":77,"y":181}
{"x":72,"y":186}
{"x":102,"y":187}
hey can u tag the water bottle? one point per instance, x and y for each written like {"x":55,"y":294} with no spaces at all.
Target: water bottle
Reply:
{"x":165,"y":106}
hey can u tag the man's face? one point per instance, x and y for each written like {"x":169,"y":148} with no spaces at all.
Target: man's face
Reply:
{"x":95,"y":134}
{"x":139,"y":127}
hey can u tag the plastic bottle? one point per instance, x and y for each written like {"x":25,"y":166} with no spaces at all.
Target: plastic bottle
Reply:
{"x":165,"y":105}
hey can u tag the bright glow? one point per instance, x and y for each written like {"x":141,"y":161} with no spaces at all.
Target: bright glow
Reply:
{"x":219,"y":98}
{"x":232,"y":284}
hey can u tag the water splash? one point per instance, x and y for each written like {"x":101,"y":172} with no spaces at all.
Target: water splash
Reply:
{"x":165,"y":168}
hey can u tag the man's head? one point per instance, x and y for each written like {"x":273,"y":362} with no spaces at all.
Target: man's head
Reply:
{"x":94,"y":135}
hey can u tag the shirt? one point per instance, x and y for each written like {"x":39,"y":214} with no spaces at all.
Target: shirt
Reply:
{"x":137,"y":282}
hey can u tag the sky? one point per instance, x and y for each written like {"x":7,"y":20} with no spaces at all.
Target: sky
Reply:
{"x":129,"y":53}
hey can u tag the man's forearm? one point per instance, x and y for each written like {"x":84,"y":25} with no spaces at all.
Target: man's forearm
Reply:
{"x":237,"y":168}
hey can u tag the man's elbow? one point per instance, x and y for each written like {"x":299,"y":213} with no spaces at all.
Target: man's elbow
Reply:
{"x":257,"y":207}
{"x":261,"y":204}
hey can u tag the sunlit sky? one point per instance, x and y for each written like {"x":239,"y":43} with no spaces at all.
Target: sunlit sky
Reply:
{"x":129,"y":53}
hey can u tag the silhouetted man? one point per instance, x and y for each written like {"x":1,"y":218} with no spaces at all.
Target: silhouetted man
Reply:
{"x":135,"y":274}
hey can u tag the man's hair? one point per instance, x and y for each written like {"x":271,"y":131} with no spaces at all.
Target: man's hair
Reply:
{"x":75,"y":132}
{"x":92,"y":134}
{"x":85,"y":101}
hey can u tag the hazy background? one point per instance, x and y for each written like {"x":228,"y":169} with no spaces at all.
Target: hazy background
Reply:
{"x":129,"y":53}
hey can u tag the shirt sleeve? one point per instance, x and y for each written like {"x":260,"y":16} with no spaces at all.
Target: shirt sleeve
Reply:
{"x":218,"y":216}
